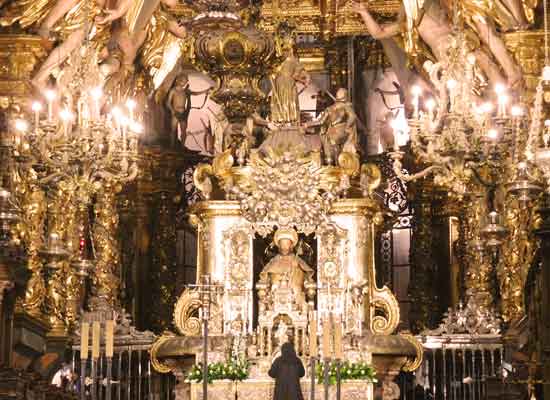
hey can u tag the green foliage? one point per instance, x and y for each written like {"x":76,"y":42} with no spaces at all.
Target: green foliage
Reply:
{"x":233,"y":369}
{"x":348,"y":371}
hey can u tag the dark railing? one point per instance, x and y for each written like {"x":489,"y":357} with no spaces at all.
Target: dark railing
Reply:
{"x":455,"y":367}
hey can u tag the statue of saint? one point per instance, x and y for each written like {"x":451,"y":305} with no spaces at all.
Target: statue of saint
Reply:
{"x":286,"y":269}
{"x":338,"y":127}
{"x":285,"y":107}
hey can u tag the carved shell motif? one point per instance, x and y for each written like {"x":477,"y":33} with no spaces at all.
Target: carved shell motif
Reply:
{"x":186,"y":311}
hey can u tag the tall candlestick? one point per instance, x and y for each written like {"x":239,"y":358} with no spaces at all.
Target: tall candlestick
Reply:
{"x":338,"y":350}
{"x":109,"y":338}
{"x":84,"y":336}
{"x":326,"y":338}
{"x":313,"y":337}
{"x":95,"y":339}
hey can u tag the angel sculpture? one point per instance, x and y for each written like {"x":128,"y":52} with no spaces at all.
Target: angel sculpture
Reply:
{"x":77,"y":21}
{"x":428,"y":20}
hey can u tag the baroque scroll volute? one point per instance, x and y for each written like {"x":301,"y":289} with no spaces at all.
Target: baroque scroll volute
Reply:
{"x":186,"y":311}
{"x":384,"y":307}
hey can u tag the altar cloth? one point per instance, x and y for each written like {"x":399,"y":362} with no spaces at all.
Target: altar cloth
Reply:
{"x":256,"y":389}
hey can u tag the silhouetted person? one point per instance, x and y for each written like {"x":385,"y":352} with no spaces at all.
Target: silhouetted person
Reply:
{"x":287,"y":371}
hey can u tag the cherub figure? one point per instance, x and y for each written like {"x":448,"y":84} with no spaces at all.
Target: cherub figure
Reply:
{"x":179,"y":104}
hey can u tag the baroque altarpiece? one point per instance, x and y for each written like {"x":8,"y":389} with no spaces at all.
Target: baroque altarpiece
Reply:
{"x":365,"y":180}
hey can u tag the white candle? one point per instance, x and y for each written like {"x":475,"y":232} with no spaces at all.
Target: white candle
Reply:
{"x":36,"y":107}
{"x":430,"y":104}
{"x":416,"y":92}
{"x":84,"y":336}
{"x":96,"y":95}
{"x":109,"y":338}
{"x":50,"y":96}
{"x":131,"y":104}
{"x":96,"y":337}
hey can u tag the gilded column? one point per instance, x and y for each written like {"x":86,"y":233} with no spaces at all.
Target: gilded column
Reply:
{"x":30,"y":231}
{"x":62,"y":213}
{"x":105,"y":281}
{"x":517,"y":254}
{"x":477,"y":281}
{"x":19,"y":55}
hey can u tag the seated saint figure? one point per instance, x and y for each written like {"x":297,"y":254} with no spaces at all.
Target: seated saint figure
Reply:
{"x":286,"y":269}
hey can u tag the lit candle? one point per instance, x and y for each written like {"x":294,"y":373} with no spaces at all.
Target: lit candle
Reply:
{"x":313,"y":337}
{"x":65,"y":116}
{"x":502,"y":99}
{"x":50,"y":96}
{"x":326,"y":338}
{"x":131,"y":105}
{"x":96,"y":95}
{"x":109,"y":338}
{"x":21,"y":125}
{"x":84,"y":336}
{"x":451,"y":85}
{"x":338,"y":350}
{"x":36,"y":107}
{"x":96,"y":335}
{"x":430,"y":104}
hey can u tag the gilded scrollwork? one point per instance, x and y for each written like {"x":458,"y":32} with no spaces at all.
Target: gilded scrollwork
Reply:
{"x":186,"y":312}
{"x":384,"y":300}
{"x":158,"y":365}
{"x":414,"y":364}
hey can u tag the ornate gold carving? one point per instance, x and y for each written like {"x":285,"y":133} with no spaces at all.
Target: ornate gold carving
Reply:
{"x":202,"y":180}
{"x":384,"y":300}
{"x":370,"y":179}
{"x":160,"y":367}
{"x":413,"y":365}
{"x":186,"y":313}
{"x":517,"y":254}
{"x":527,"y":48}
{"x":349,"y":162}
{"x":105,"y":279}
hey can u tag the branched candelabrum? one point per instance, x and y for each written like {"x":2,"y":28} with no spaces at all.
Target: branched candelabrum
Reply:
{"x":465,"y":142}
{"x":69,"y":157}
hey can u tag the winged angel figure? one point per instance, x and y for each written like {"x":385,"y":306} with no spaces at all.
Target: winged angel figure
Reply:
{"x":120,"y":30}
{"x":430,"y":21}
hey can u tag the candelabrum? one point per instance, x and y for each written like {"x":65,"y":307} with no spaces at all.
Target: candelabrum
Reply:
{"x":494,"y":151}
{"x":76,"y":148}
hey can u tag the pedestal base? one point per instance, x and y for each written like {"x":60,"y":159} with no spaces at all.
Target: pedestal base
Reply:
{"x":263,"y":390}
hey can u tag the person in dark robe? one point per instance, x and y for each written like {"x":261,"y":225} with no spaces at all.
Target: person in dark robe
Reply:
{"x":287,"y":371}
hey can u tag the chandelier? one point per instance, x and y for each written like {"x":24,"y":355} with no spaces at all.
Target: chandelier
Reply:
{"x":67,"y":151}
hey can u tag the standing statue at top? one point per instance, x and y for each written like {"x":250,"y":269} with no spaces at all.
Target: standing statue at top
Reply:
{"x":285,"y":106}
